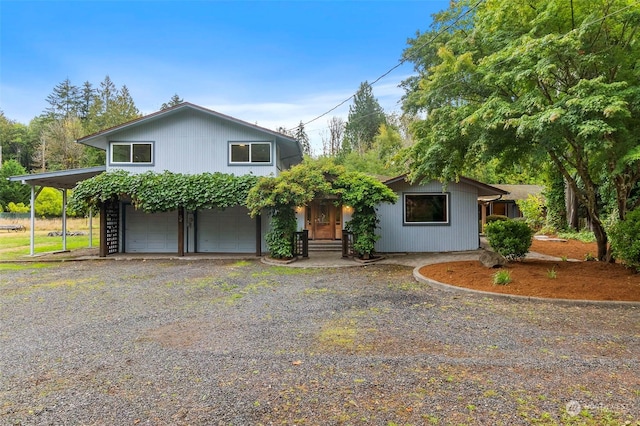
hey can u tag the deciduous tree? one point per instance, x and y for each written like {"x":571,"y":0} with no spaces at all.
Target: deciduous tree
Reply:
{"x":547,"y":79}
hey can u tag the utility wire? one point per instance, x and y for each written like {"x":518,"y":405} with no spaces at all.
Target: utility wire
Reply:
{"x":399,"y":64}
{"x":419,"y":48}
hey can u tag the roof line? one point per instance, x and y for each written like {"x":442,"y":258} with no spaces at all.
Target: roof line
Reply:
{"x":180,"y":106}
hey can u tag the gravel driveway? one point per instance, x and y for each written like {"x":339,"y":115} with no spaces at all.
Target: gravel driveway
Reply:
{"x":243,"y":343}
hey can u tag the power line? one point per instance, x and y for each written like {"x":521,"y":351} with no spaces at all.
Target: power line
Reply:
{"x":399,"y":64}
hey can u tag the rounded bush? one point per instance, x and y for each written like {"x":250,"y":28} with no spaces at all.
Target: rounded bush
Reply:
{"x":496,"y":217}
{"x":510,"y":238}
{"x":625,"y":240}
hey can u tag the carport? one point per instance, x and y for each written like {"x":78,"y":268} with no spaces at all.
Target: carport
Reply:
{"x":62,"y":180}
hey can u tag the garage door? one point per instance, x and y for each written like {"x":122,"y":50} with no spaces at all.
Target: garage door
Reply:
{"x":150,"y":232}
{"x":226,"y":231}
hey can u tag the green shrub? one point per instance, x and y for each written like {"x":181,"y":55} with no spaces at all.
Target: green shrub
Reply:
{"x":49,"y":203}
{"x":502,"y":277}
{"x":533,"y":210}
{"x":18,"y":208}
{"x":625,"y":240}
{"x":510,"y":238}
{"x":495,"y":218}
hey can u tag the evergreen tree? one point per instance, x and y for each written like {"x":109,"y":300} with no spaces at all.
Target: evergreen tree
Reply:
{"x":175,"y":100}
{"x":64,"y":101}
{"x":302,"y":137}
{"x":86,"y":99}
{"x":364,"y":120}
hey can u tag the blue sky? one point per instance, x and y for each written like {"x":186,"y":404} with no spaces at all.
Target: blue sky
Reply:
{"x":273,"y":63}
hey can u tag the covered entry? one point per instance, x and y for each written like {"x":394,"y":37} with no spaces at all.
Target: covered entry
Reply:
{"x":323,"y":220}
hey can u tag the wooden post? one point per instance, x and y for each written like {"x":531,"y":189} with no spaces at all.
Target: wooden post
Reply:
{"x":259,"y":235}
{"x":103,"y":230}
{"x":180,"y":231}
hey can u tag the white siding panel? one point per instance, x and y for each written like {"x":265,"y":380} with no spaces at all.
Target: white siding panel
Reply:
{"x":226,"y":231}
{"x":150,"y":232}
{"x":194,"y":142}
{"x":461,"y":234}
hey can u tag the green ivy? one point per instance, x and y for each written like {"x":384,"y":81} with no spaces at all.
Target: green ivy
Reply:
{"x":161,"y":192}
{"x":301,"y":184}
{"x":280,"y":236}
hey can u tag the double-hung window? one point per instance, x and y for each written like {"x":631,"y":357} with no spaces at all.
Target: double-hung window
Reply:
{"x":131,"y":153}
{"x":250,"y":153}
{"x":426,"y":209}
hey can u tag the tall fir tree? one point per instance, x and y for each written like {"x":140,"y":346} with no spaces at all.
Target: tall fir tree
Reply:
{"x":302,"y":137}
{"x":175,"y":100}
{"x":364,"y":120}
{"x":64,"y":101}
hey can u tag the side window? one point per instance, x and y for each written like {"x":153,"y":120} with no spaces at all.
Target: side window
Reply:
{"x":131,"y":153}
{"x":250,"y":152}
{"x":426,"y":209}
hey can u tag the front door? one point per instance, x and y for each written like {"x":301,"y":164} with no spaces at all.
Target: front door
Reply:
{"x":323,"y":218}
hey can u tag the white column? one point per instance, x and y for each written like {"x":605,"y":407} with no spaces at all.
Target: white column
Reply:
{"x":33,"y":221}
{"x":64,"y":220}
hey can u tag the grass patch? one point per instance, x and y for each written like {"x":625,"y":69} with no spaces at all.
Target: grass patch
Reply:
{"x":339,"y":335}
{"x":502,"y":277}
{"x":17,"y":245}
{"x":584,"y":236}
{"x":284,"y":270}
{"x":23,"y":266}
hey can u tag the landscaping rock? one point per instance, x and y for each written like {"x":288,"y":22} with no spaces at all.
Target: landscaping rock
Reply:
{"x":69,"y":233}
{"x":491,"y":259}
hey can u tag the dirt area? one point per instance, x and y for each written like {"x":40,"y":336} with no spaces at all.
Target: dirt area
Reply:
{"x":543,"y":278}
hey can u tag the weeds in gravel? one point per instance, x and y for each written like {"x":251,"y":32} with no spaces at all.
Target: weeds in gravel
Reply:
{"x":552,"y":274}
{"x":285,"y":270}
{"x":502,"y":277}
{"x":408,"y":286}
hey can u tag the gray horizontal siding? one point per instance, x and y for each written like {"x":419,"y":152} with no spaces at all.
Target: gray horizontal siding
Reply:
{"x":193,"y":142}
{"x":461,"y":234}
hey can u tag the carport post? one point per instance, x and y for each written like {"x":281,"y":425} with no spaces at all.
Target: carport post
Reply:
{"x":33,"y":221}
{"x":259,"y":235}
{"x":180,"y":231}
{"x":64,"y":219}
{"x":90,"y":227}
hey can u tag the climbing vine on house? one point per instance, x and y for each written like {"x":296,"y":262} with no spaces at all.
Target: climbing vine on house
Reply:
{"x":162,"y":192}
{"x":299,"y":185}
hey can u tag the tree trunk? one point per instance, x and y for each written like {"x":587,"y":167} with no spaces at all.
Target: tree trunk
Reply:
{"x":601,"y":239}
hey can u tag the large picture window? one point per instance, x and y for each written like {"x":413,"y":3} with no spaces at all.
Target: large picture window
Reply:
{"x":426,"y":209}
{"x":250,"y":152}
{"x":131,"y":153}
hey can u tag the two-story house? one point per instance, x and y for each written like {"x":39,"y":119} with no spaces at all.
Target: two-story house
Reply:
{"x":190,"y":139}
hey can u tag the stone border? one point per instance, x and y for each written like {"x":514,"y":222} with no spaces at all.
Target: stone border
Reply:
{"x":453,"y":288}
{"x":277,"y":262}
{"x":368,"y":261}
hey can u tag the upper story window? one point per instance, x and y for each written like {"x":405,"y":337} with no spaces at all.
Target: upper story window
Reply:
{"x":131,"y":153}
{"x":250,"y":153}
{"x":426,"y":209}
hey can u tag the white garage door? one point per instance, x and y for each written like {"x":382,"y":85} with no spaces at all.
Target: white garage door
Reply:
{"x":226,"y":231}
{"x":150,"y":232}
